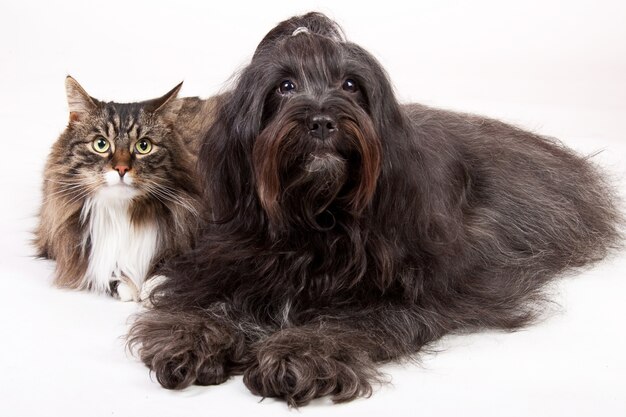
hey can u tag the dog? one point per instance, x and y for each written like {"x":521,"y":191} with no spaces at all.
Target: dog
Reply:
{"x":347,"y":230}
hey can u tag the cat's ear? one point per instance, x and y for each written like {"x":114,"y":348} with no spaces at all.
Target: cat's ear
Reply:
{"x":79,"y":102}
{"x":167,"y":106}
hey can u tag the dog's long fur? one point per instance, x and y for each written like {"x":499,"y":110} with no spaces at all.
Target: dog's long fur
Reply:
{"x":327,"y":256}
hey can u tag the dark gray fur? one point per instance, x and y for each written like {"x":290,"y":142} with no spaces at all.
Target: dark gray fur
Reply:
{"x":308,"y":278}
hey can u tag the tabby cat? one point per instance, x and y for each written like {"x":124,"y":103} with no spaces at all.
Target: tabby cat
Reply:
{"x":120,"y":193}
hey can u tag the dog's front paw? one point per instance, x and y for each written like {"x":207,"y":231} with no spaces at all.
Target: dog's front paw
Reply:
{"x":182,"y":349}
{"x":299,"y":370}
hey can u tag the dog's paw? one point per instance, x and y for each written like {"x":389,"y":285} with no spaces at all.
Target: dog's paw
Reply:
{"x":181,"y":349}
{"x":148,"y":288}
{"x":299,"y":371}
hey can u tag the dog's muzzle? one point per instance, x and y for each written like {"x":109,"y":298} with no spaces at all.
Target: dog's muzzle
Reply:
{"x":322,"y":126}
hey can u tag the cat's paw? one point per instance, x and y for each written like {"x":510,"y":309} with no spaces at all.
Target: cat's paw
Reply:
{"x":124,"y":289}
{"x":148,"y":287}
{"x":126,"y":292}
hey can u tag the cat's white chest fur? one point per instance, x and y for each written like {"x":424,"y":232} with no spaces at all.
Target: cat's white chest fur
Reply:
{"x":118,"y":247}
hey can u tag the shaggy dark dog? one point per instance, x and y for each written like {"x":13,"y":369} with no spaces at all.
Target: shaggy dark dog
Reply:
{"x":348,"y":230}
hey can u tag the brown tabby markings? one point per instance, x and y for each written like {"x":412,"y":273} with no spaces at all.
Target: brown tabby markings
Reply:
{"x":160,"y":186}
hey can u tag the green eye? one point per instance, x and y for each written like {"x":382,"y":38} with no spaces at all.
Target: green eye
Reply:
{"x":144,"y":146}
{"x":101,"y":145}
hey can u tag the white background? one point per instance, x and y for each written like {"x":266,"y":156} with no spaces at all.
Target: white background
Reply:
{"x":558,"y":68}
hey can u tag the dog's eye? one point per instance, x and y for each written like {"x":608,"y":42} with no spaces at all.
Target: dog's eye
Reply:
{"x":286,"y":86}
{"x":349,"y":85}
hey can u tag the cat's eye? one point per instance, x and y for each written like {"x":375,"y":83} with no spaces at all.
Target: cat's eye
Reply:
{"x":349,"y":85}
{"x":101,"y":145}
{"x":143,"y":146}
{"x":286,"y":87}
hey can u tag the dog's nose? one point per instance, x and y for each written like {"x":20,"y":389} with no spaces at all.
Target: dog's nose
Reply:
{"x":322,"y":126}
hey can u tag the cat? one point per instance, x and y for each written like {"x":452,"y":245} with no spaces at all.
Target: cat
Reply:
{"x":120,"y":192}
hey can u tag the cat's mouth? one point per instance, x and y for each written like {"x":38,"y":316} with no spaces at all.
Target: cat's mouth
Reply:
{"x":120,"y":183}
{"x":118,"y":187}
{"x":114,"y":179}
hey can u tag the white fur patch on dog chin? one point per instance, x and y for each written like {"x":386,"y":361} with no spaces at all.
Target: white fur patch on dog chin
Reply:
{"x":323,"y":161}
{"x":118,"y":247}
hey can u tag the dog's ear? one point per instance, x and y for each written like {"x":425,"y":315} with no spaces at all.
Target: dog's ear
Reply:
{"x":224,"y":162}
{"x":247,"y":103}
{"x":383,"y":106}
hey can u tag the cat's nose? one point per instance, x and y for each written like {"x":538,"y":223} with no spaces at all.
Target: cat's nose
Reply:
{"x":122,"y":169}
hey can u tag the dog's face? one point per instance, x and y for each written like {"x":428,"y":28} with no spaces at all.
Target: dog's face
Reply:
{"x":316,"y":146}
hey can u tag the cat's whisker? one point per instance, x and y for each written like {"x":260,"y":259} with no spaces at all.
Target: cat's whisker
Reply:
{"x":71,"y":190}
{"x":78,"y":197}
{"x":68,"y":188}
{"x":62,"y":196}
{"x":175,"y":198}
{"x":162,"y":193}
{"x":70,"y":182}
{"x":155,"y":190}
{"x":80,"y":180}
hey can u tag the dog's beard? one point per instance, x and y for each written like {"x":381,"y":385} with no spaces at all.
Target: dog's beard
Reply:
{"x":304,"y":180}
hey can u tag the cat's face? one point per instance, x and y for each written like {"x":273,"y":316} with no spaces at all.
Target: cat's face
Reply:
{"x":123,"y":150}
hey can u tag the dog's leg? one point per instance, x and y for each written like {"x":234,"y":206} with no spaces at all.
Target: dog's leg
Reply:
{"x":336,"y":356}
{"x":181,"y":349}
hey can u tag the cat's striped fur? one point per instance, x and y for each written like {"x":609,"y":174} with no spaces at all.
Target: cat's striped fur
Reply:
{"x":108,"y":218}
